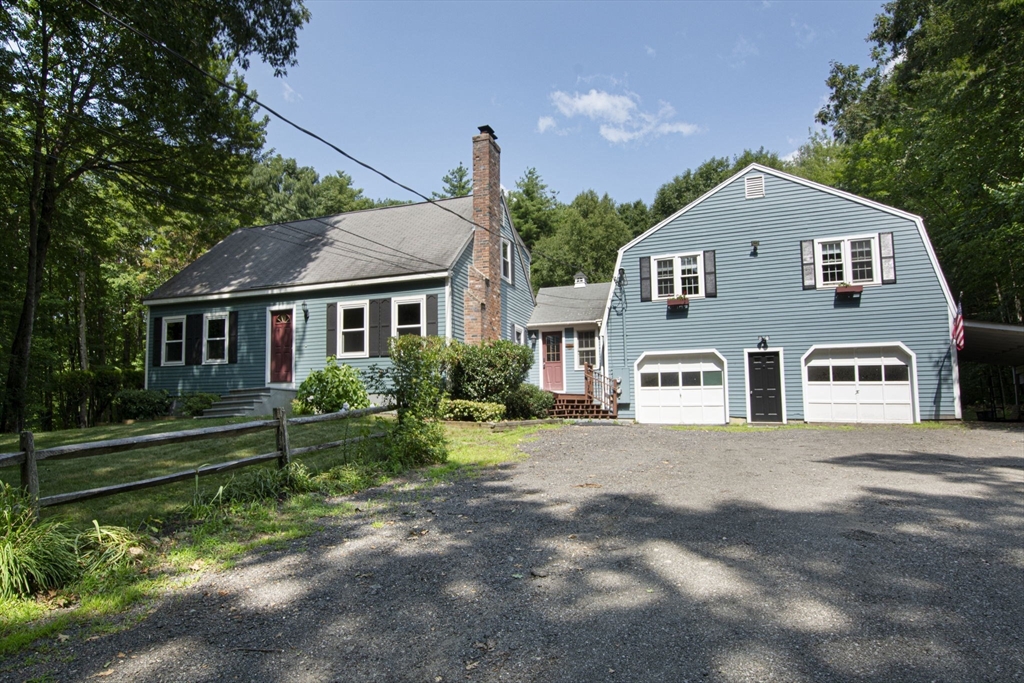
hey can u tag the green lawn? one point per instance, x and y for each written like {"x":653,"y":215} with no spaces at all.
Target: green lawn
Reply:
{"x":196,"y":545}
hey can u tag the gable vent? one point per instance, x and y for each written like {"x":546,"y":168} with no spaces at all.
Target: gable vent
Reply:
{"x":754,"y":186}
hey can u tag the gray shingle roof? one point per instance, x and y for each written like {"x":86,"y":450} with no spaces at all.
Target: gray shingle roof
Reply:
{"x":392,"y":241}
{"x":570,"y":304}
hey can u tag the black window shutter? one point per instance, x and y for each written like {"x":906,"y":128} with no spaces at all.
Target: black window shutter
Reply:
{"x":645,"y":278}
{"x":385,"y":327}
{"x":710,"y":275}
{"x":374,"y":325}
{"x":194,"y":339}
{"x":807,"y":262}
{"x":332,"y":330}
{"x":888,"y":253}
{"x":233,"y":337}
{"x":157,"y":341}
{"x":432,"y":315}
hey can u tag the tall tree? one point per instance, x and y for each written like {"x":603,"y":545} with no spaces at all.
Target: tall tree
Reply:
{"x":636,"y":216}
{"x":532,"y":206}
{"x":934,"y":126}
{"x":83,"y":97}
{"x":284,"y":191}
{"x":458,"y":182}
{"x":588,"y":234}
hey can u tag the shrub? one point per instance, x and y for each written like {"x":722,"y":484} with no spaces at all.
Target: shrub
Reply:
{"x":71,"y":387}
{"x":413,"y":383}
{"x":472,"y":411}
{"x":142,"y":404}
{"x":33,"y":555}
{"x":527,"y":402}
{"x":328,"y":390}
{"x":106,"y":382}
{"x":489,"y":371}
{"x":193,"y":405}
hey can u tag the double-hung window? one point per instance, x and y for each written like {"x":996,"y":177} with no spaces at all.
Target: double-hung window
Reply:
{"x":847,"y":260}
{"x":353,"y":330}
{"x":680,"y":275}
{"x":174,"y":341}
{"x":586,"y":348}
{"x":519,"y":334}
{"x":215,"y":338}
{"x":408,"y":316}
{"x":506,"y":260}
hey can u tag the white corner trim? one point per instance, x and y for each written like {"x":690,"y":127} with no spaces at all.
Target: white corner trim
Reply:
{"x":679,"y":352}
{"x":782,"y":378}
{"x":268,"y":335}
{"x":296,"y":289}
{"x":873,"y":345}
{"x":447,"y":308}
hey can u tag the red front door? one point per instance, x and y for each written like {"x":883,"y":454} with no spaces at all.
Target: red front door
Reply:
{"x":553,"y":361}
{"x":281,"y":347}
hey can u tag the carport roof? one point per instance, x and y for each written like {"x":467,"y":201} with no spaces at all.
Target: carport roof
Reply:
{"x":994,"y":343}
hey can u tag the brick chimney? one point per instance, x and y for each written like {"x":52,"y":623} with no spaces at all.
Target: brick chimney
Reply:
{"x":483,"y":301}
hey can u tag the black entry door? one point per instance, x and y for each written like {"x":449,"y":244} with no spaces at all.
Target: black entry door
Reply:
{"x":765,"y":387}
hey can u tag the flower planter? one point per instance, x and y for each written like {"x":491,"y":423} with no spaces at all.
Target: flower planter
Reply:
{"x":850,"y":289}
{"x":678,"y":302}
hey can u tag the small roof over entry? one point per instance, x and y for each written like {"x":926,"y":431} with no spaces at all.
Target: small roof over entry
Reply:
{"x":993,"y":343}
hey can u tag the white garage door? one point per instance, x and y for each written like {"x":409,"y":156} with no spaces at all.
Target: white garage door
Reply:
{"x":681,"y":389}
{"x":858,"y":385}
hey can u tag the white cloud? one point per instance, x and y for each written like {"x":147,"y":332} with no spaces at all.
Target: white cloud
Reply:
{"x":651,"y":52}
{"x":290,"y":94}
{"x":620,"y":117}
{"x":792,"y":155}
{"x":893,"y":63}
{"x":805,"y":34}
{"x":595,"y":105}
{"x":741,"y":51}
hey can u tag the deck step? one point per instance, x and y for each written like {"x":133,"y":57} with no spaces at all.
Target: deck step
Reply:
{"x":578,"y":406}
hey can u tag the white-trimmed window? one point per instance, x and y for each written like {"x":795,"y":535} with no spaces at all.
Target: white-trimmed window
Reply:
{"x":680,"y":275}
{"x":850,"y":260}
{"x":215,"y":338}
{"x":353,"y":330}
{"x":174,"y":341}
{"x":408,"y":316}
{"x":519,"y":335}
{"x":586,"y":348}
{"x":506,"y":260}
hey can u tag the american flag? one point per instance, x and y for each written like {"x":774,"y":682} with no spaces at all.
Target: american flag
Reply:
{"x":958,"y":327}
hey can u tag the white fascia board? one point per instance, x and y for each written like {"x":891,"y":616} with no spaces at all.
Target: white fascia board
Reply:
{"x":539,"y":326}
{"x":297,"y":289}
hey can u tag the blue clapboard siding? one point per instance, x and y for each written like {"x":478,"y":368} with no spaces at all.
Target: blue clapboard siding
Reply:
{"x":763,"y":294}
{"x":310,"y":336}
{"x":460,"y":283}
{"x":516,"y":297}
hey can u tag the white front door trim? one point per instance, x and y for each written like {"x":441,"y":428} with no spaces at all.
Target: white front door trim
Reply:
{"x":270,"y":332}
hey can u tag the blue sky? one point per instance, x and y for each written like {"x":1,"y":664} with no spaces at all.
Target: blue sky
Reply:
{"x":615,"y":97}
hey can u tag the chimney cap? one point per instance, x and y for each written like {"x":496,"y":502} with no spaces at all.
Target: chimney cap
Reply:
{"x":487,"y":130}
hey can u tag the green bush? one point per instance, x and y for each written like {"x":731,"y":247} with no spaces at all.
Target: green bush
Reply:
{"x":193,"y":405}
{"x":414,"y":385}
{"x":328,"y":390}
{"x":106,"y":382}
{"x":471,"y":411}
{"x":527,"y":402}
{"x":489,"y":371}
{"x":142,"y":404}
{"x":133,"y":379}
{"x":33,"y":555}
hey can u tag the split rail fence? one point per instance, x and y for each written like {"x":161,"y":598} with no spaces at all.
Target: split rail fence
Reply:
{"x":28,"y":457}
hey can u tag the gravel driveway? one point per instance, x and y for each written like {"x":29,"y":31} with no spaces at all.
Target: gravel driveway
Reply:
{"x":631,"y":553}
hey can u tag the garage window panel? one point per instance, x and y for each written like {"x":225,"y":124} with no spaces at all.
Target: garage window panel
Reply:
{"x":819,"y":373}
{"x":670,"y":379}
{"x":843,"y":373}
{"x":712,"y":378}
{"x":869,"y":373}
{"x":897,"y":373}
{"x":691,"y":379}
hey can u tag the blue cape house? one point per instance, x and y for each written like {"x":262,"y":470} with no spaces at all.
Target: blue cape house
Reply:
{"x":770,"y":298}
{"x":263,"y":308}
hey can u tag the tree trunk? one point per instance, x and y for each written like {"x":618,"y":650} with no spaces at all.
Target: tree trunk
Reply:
{"x":83,"y":349}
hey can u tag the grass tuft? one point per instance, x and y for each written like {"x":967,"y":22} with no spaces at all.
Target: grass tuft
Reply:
{"x":33,"y":555}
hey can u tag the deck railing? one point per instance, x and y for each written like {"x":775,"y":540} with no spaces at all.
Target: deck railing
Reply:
{"x":28,"y":456}
{"x":602,"y":390}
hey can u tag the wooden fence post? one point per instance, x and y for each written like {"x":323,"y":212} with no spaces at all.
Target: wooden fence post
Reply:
{"x":282,"y":438}
{"x":29,"y":472}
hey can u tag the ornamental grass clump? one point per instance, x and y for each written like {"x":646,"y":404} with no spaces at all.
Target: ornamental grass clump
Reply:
{"x":104,"y":549}
{"x":34,"y":555}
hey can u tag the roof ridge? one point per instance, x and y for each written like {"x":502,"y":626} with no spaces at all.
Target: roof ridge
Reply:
{"x":349,"y":213}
